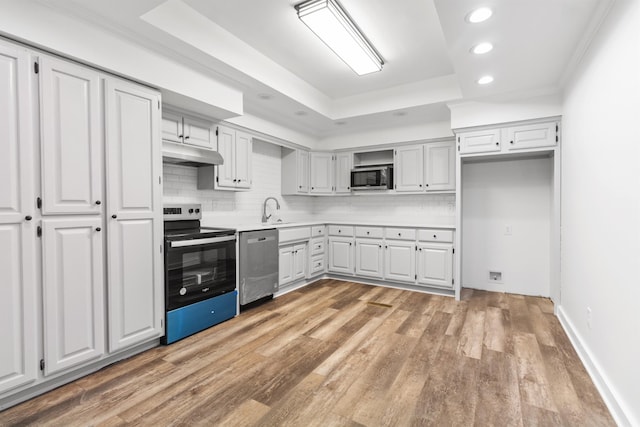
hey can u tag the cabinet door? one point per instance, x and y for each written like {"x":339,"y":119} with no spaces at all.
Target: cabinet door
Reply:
{"x":369,"y":258}
{"x":172,"y":127}
{"x":73,"y":292}
{"x":299,"y":261}
{"x":408,"y":168}
{"x":18,"y":355}
{"x":344,"y":164}
{"x":134,"y":222}
{"x":435,"y":264}
{"x":303,"y":171}
{"x":197,"y":133}
{"x":226,"y":148}
{"x":243,"y":158}
{"x":532,"y":136}
{"x":71,"y":138}
{"x":400,"y":261}
{"x":341,"y":255}
{"x":321,"y":167}
{"x":479,"y":141}
{"x":285,"y":264}
{"x":439,"y":166}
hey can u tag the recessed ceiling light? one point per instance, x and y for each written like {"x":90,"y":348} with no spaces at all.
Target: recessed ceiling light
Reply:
{"x":300,"y":113}
{"x":485,"y":80}
{"x":479,"y":15}
{"x":340,"y":123}
{"x":400,"y":113}
{"x":482,"y":48}
{"x":264,"y":96}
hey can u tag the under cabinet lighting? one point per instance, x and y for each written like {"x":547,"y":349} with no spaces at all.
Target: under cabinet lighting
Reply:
{"x":329,"y":21}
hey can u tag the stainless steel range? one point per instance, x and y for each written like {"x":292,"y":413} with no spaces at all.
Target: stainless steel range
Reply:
{"x":200,"y":273}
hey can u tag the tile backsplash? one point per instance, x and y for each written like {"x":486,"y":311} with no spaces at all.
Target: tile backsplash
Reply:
{"x":238,"y":207}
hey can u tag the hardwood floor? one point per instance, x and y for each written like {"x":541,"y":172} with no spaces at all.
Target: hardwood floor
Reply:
{"x":340,"y":353}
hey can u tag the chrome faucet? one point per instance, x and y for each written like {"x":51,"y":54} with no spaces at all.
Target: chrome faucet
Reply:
{"x":265,"y":218}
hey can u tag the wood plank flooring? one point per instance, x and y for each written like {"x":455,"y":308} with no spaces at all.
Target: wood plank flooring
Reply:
{"x":346,"y":354}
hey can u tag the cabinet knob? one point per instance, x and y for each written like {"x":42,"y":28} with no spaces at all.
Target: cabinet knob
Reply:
{"x":348,"y":188}
{"x":435,"y":237}
{"x":28,"y":218}
{"x":510,"y":142}
{"x":399,"y":234}
{"x":349,"y":243}
{"x":380,"y":246}
{"x":114,"y":216}
{"x":187,"y":137}
{"x":420,"y":249}
{"x":313,"y":188}
{"x":420,"y":185}
{"x":497,"y":143}
{"x":367,"y":233}
{"x":98,"y":229}
{"x":180,"y":136}
{"x":98,"y":202}
{"x":339,"y":231}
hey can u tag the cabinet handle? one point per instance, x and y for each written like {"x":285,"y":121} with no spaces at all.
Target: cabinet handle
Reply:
{"x":114,"y":216}
{"x":98,"y":202}
{"x":98,"y":229}
{"x":180,"y":136}
{"x":28,"y":218}
{"x":187,"y":137}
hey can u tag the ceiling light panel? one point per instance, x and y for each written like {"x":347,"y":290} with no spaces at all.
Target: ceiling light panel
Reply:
{"x":332,"y":25}
{"x":485,"y":80}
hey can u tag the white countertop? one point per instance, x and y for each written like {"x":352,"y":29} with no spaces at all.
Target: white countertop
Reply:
{"x":307,"y":223}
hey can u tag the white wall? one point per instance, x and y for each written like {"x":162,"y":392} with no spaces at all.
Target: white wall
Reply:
{"x":601,"y":209}
{"x":500,"y":194}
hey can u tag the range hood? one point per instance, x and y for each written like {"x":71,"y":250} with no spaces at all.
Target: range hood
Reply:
{"x":186,"y":155}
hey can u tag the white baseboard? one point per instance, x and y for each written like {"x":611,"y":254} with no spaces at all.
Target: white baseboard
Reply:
{"x":616,"y":405}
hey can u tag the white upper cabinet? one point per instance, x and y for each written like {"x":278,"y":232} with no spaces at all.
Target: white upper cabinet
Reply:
{"x":72,"y":148}
{"x":479,"y":141}
{"x":295,"y":171}
{"x":529,"y":136}
{"x":532,"y":136}
{"x":439,"y":166}
{"x":134,"y":219}
{"x":343,"y":166}
{"x":408,"y":175}
{"x":72,"y":292}
{"x":321,"y":172}
{"x":18,"y":354}
{"x":236,"y":149}
{"x":188,"y":130}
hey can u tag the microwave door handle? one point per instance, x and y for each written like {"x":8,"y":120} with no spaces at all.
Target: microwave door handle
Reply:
{"x":198,"y":242}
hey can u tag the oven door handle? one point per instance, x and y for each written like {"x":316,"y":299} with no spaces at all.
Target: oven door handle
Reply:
{"x":198,"y":242}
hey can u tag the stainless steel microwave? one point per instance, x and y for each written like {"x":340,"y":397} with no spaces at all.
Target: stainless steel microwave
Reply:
{"x":372,"y":178}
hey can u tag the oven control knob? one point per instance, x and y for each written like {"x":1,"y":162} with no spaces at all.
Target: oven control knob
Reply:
{"x":197,"y":210}
{"x":190,"y":210}
{"x":183,"y":291}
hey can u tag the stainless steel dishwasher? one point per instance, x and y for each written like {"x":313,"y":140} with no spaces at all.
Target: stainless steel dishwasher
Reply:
{"x":258,"y":264}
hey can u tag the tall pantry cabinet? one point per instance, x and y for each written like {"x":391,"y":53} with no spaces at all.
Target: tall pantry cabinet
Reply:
{"x":80,"y":217}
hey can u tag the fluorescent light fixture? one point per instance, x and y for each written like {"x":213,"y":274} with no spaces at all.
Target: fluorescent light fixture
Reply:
{"x":329,"y":21}
{"x":485,"y":80}
{"x":482,"y":48}
{"x":479,"y":15}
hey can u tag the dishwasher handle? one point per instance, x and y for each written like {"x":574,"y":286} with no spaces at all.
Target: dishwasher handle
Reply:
{"x":261,"y":239}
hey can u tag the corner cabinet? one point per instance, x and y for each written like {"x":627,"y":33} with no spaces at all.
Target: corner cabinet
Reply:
{"x":236,"y":148}
{"x":134,"y":204}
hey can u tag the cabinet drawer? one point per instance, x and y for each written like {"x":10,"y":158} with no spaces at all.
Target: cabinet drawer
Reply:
{"x":435,"y":236}
{"x":400,"y":233}
{"x":317,"y":230}
{"x":317,"y":265}
{"x":317,"y":246}
{"x":294,"y":234}
{"x":341,"y":230}
{"x":373,"y":232}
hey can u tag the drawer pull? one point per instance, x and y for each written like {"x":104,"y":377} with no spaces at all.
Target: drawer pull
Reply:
{"x":368,"y":233}
{"x":399,"y":234}
{"x":435,"y":237}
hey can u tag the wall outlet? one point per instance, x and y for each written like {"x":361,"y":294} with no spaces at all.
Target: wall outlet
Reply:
{"x":589,"y":318}
{"x":508,"y":230}
{"x":495,"y":276}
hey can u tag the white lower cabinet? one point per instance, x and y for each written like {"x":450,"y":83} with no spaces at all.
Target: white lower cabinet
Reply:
{"x":341,"y":255}
{"x":435,"y":264}
{"x":292,"y":263}
{"x":400,"y":261}
{"x":369,"y":258}
{"x":73,"y":292}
